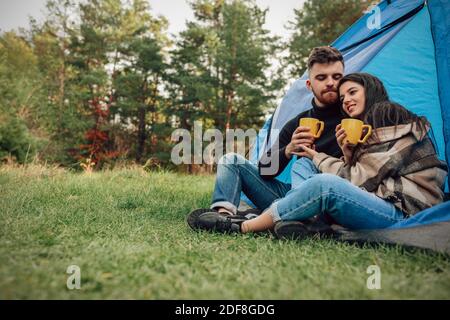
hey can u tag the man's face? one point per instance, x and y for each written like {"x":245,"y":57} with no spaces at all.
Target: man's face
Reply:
{"x":323,"y":81}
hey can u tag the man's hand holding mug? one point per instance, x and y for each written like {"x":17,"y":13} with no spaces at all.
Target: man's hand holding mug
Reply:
{"x":308,"y":130}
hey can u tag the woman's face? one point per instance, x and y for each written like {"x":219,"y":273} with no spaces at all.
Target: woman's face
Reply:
{"x":353,"y":98}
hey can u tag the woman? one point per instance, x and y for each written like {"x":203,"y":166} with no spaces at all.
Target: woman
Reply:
{"x":392,"y":176}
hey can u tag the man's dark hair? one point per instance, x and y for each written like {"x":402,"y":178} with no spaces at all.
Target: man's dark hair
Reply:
{"x":324,"y":54}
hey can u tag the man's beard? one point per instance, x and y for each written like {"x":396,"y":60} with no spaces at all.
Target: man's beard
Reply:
{"x":323,"y":100}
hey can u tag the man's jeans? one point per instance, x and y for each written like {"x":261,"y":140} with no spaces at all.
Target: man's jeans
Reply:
{"x":319,"y":193}
{"x":236,"y":174}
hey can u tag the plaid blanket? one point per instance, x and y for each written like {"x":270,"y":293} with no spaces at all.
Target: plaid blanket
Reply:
{"x":398,"y":164}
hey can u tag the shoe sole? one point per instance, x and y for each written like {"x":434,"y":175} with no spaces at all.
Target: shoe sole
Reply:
{"x":192,"y":218}
{"x":216,"y":222}
{"x":292,"y":231}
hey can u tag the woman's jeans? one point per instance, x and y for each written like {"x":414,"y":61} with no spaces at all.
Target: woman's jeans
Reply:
{"x":316,"y":193}
{"x":236,"y":174}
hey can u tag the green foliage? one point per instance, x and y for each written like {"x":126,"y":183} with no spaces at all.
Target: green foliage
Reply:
{"x":15,"y":140}
{"x":221,"y":66}
{"x":220,"y":71}
{"x":318,"y":23}
{"x":137,"y":88}
{"x":20,"y":98}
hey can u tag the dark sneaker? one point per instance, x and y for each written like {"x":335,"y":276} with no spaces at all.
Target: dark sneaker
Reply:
{"x":300,"y":230}
{"x":192,"y":217}
{"x":294,"y":230}
{"x":249,"y":213}
{"x":214,"y":221}
{"x":318,"y":226}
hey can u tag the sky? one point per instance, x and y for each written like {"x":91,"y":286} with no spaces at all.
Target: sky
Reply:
{"x":15,"y":13}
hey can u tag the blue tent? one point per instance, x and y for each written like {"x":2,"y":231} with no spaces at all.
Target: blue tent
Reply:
{"x":410,"y":52}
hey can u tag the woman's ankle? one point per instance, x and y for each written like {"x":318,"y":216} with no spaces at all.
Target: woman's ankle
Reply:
{"x":244,"y":227}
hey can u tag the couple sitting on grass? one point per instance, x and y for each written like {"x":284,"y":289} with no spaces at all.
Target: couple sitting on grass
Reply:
{"x":372,"y":183}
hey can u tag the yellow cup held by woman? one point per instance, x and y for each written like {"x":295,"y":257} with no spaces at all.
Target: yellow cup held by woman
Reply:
{"x":354,"y":130}
{"x":315,"y":126}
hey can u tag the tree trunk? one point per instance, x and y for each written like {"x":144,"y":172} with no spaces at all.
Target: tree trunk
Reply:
{"x":233,"y":72}
{"x":141,"y":133}
{"x":230,"y":98}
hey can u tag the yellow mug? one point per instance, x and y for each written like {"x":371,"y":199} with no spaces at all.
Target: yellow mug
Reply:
{"x":315,"y":126}
{"x":354,"y":129}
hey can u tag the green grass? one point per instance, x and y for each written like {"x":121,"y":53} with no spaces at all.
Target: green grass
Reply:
{"x":126,"y":230}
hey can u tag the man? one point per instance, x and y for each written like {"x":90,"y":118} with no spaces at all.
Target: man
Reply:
{"x":236,"y":174}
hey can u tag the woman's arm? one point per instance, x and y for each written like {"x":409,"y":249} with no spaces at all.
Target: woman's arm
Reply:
{"x":347,"y":149}
{"x":376,"y":164}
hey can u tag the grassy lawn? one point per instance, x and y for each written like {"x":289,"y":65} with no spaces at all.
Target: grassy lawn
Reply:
{"x":126,"y":231}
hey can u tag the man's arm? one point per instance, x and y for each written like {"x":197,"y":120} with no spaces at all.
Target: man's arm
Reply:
{"x":273,"y":162}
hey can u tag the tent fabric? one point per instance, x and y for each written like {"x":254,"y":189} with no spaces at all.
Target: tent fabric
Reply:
{"x":403,"y":74}
{"x":429,"y":229}
{"x":440,"y":26}
{"x":436,"y":214}
{"x":390,"y":12}
{"x":411,"y":55}
{"x":433,"y":237}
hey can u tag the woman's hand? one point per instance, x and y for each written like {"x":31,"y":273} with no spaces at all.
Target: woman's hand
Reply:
{"x":347,"y":148}
{"x":307,"y":152}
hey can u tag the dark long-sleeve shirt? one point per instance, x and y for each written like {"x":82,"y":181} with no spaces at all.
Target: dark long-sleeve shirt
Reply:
{"x":330,"y":115}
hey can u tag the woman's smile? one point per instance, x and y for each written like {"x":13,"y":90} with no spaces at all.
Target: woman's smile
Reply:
{"x":353,"y":98}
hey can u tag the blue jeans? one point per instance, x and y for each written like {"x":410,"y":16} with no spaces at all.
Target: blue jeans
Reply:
{"x":302,"y":170}
{"x":316,"y":193}
{"x":236,"y":174}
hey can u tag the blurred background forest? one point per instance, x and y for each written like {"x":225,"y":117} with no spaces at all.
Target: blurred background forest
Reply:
{"x":101,"y":82}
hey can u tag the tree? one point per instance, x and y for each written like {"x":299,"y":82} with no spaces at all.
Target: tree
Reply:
{"x":59,"y":111}
{"x":137,"y":87}
{"x":318,"y":23}
{"x":20,"y":95}
{"x":139,"y":71}
{"x":222,"y":65}
{"x":81,"y":49}
{"x":117,"y":40}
